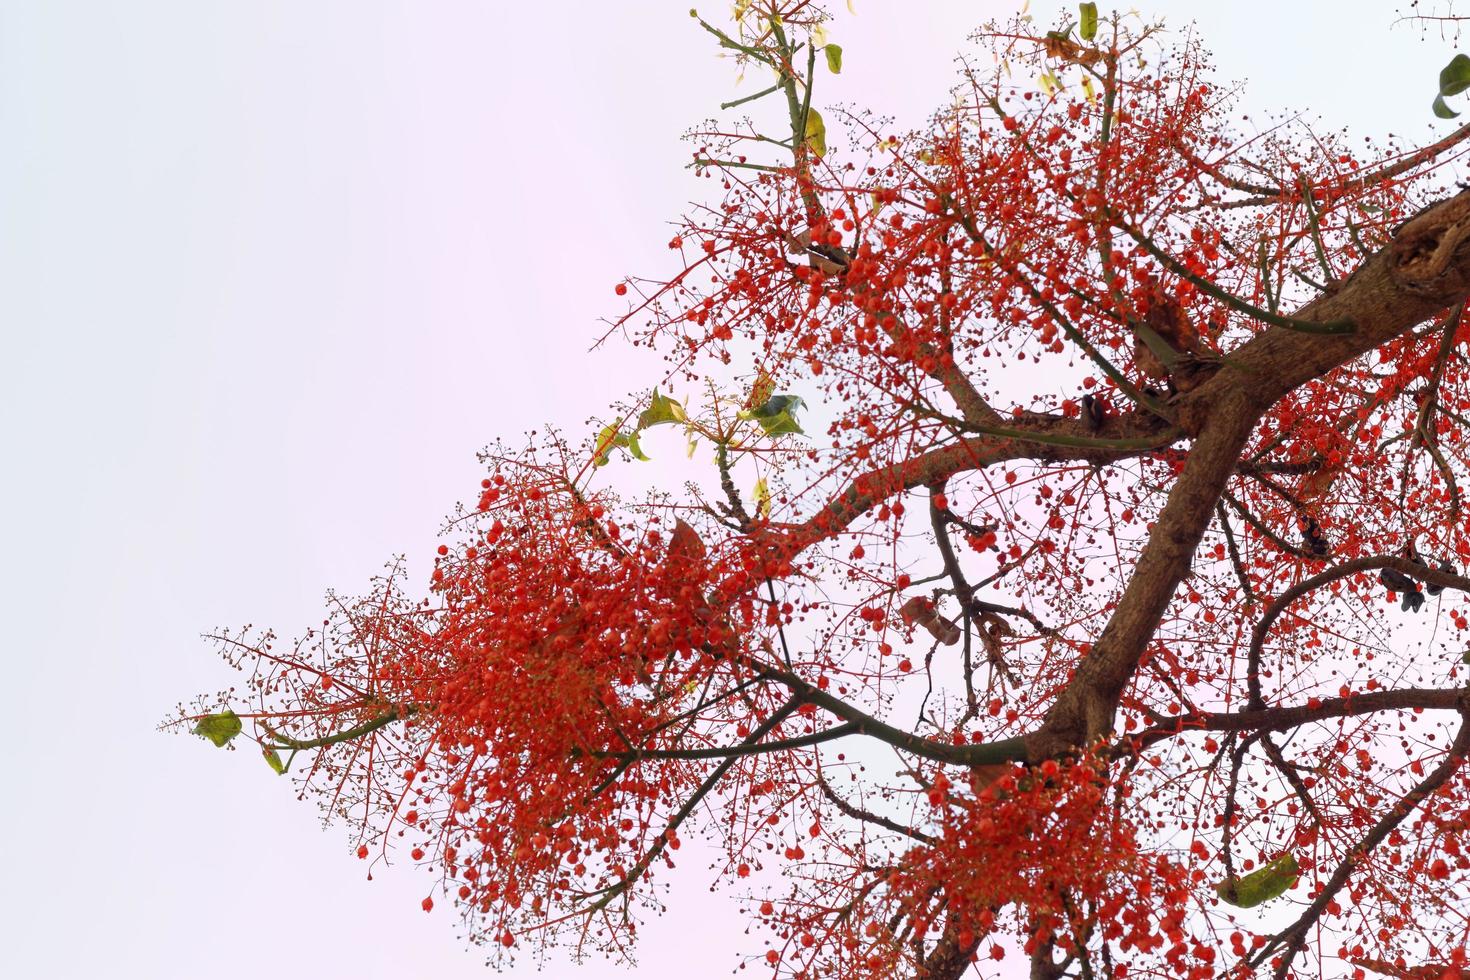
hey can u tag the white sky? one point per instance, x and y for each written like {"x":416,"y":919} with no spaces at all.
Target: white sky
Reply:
{"x":271,"y":271}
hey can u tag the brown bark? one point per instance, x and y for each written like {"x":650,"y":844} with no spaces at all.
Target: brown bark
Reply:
{"x":1422,"y":272}
{"x":1084,"y":711}
{"x":949,"y":959}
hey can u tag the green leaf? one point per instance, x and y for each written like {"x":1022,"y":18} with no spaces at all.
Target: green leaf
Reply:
{"x":777,"y":416}
{"x":834,"y":58}
{"x":1454,"y":78}
{"x":661,"y":411}
{"x":273,"y":759}
{"x":1465,"y":657}
{"x":606,"y":440}
{"x":609,"y":439}
{"x":816,"y":133}
{"x":219,"y":728}
{"x":630,"y":443}
{"x":1088,"y":29}
{"x":1265,"y":883}
{"x":762,"y":498}
{"x":1441,"y":110}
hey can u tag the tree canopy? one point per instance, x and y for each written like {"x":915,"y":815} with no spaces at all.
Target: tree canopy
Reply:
{"x":1078,"y":463}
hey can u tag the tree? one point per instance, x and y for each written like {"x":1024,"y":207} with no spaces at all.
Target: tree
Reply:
{"x":1078,"y":628}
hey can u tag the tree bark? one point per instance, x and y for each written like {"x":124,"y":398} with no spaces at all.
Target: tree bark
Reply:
{"x":950,"y":959}
{"x":1422,"y":272}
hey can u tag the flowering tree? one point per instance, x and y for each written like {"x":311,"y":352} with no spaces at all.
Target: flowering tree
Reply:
{"x":1071,"y":630}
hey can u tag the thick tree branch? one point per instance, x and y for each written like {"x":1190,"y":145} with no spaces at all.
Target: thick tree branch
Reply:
{"x":728,"y":751}
{"x":989,"y":753}
{"x":1282,"y":719}
{"x":1422,"y":272}
{"x":1084,"y":710}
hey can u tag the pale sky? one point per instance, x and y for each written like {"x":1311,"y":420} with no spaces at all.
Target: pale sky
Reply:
{"x":271,"y":271}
